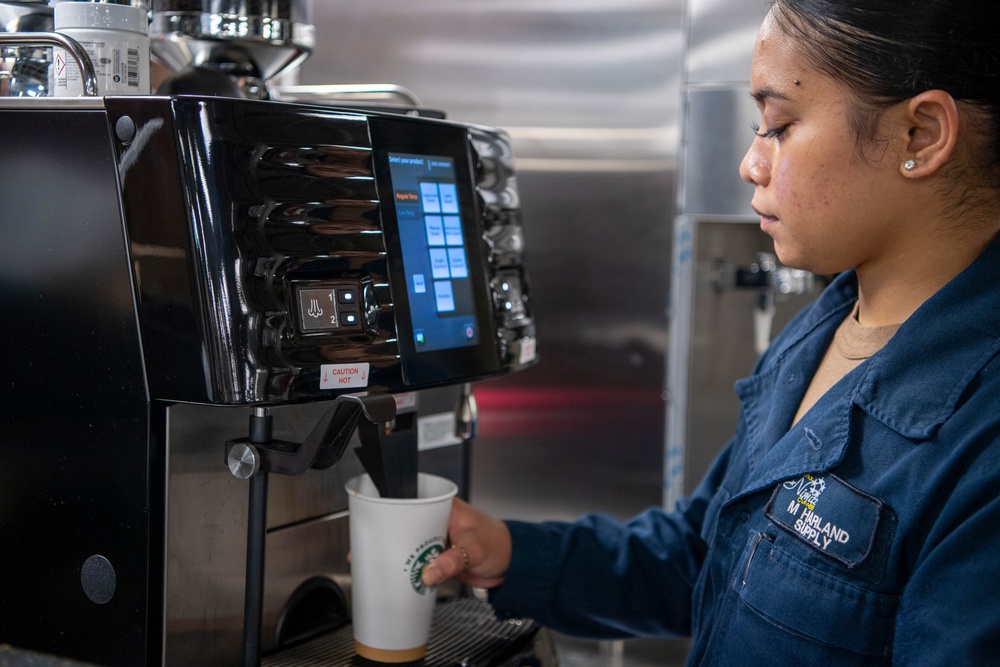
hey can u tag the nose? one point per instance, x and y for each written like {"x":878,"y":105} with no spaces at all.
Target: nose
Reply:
{"x":754,"y":168}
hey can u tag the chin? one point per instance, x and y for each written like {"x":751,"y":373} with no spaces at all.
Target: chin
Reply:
{"x":813,"y":265}
{"x":792,"y":259}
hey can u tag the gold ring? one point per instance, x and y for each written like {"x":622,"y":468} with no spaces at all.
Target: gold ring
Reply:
{"x":465,"y":554}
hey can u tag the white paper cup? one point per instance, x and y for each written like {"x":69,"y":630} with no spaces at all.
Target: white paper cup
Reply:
{"x":392,"y":539}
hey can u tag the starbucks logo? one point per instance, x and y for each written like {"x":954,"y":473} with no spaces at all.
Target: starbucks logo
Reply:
{"x":420,"y":557}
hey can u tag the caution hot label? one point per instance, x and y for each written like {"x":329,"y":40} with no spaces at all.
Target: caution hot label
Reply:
{"x":343,"y":376}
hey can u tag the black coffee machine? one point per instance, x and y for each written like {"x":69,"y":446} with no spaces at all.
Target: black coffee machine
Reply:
{"x":180,"y":268}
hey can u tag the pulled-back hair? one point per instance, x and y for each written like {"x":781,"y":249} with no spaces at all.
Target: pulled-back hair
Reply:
{"x":887,"y":51}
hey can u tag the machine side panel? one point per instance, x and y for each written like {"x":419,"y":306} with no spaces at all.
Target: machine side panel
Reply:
{"x":74,"y":517}
{"x":156,"y":215}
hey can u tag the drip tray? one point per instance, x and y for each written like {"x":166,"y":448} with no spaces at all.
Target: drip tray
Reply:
{"x":465,"y":633}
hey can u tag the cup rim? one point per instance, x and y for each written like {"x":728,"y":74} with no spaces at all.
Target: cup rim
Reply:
{"x":351,"y":487}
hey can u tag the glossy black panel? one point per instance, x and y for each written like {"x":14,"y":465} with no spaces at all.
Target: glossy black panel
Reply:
{"x":335,"y":227}
{"x":260,"y":195}
{"x":161,"y":250}
{"x":73,"y":451}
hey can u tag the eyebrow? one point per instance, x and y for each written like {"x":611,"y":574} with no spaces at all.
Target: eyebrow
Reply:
{"x":762,"y":94}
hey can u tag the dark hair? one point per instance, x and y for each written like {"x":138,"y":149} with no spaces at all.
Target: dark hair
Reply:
{"x":887,"y":51}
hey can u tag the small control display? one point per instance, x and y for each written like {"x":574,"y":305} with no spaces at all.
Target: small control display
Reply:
{"x":329,"y":308}
{"x":435,"y":251}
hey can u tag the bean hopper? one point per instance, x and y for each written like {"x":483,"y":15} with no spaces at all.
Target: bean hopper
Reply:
{"x":220,"y":308}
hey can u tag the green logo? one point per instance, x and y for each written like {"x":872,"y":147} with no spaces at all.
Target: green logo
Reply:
{"x":419,"y":559}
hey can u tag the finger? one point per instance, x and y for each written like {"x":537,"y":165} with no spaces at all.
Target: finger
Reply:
{"x":447,"y":565}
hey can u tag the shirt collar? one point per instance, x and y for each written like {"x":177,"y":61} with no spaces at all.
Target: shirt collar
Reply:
{"x":915,"y":383}
{"x":912,"y":385}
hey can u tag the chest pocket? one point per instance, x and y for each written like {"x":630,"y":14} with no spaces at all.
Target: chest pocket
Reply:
{"x":813,"y":605}
{"x":829,"y":515}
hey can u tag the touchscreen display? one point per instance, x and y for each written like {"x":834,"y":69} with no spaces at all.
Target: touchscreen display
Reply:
{"x":435,"y":252}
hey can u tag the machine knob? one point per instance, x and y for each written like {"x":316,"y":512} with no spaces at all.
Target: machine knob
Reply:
{"x":243,"y":460}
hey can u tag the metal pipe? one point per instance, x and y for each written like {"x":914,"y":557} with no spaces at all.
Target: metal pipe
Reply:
{"x":335,"y":92}
{"x":41,"y":39}
{"x":253,"y":602}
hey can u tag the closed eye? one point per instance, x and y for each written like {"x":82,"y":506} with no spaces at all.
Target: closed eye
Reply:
{"x":773,"y":133}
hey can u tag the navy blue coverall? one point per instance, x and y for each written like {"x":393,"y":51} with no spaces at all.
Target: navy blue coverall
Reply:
{"x":866,"y":534}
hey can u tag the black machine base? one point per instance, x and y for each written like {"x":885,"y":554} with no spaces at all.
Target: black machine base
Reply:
{"x":465,"y":632}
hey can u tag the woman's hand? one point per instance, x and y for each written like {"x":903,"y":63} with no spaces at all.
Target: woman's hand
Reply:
{"x":480,"y":549}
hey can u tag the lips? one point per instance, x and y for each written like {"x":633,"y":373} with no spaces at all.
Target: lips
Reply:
{"x":765,"y":218}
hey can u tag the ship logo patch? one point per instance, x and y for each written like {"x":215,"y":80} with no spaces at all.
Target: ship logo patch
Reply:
{"x":829,"y":515}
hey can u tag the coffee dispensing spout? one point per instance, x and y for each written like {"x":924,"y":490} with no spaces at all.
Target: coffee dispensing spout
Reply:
{"x":770,"y":280}
{"x":389,"y":457}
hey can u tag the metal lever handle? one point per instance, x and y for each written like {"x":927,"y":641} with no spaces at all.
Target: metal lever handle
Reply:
{"x":322,"y":449}
{"x":466,"y":414}
{"x":36,"y":39}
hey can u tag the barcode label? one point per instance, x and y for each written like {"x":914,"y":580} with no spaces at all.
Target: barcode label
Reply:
{"x":132,"y":68}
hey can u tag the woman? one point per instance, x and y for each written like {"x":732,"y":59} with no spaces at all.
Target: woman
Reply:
{"x":855,"y":516}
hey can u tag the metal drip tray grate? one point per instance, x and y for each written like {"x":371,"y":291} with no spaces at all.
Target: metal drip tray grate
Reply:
{"x":465,"y":633}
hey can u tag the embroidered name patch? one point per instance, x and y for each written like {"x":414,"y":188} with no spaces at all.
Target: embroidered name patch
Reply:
{"x":827,"y":514}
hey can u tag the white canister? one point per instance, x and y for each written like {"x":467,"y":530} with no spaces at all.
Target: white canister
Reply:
{"x":116,"y":38}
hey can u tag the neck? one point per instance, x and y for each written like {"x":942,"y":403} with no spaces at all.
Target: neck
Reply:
{"x":891,"y":291}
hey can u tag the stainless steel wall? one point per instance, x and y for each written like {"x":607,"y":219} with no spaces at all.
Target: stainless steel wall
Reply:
{"x":712,"y":334}
{"x":590,"y":92}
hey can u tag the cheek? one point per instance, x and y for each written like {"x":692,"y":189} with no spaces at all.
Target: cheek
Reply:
{"x":808,"y":187}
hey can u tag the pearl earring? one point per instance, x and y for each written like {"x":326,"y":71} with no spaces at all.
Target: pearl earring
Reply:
{"x":909,"y":165}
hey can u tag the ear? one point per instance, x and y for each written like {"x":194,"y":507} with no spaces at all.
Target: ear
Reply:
{"x":932,"y":132}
